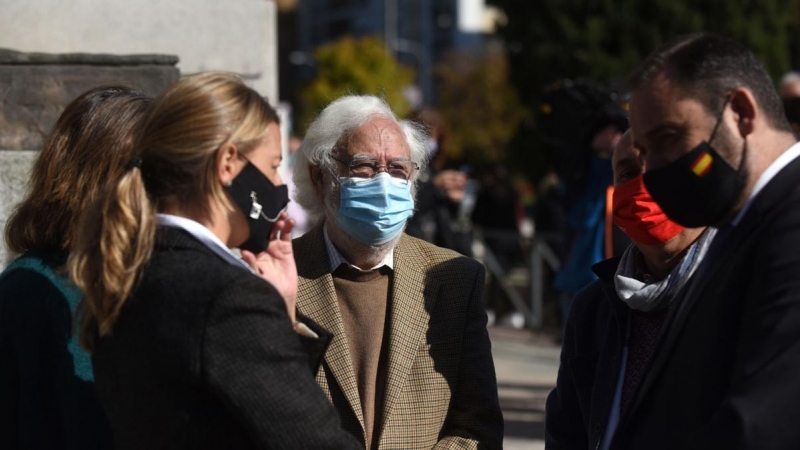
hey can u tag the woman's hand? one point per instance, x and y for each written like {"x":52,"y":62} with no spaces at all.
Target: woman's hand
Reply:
{"x":276,"y":263}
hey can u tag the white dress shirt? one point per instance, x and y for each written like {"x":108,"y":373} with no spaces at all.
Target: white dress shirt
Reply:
{"x":336,"y":259}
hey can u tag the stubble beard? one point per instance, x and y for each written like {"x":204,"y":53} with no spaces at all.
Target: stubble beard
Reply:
{"x":727,"y":140}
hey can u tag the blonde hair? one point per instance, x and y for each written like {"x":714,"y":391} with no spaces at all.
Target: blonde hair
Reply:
{"x":176,"y":149}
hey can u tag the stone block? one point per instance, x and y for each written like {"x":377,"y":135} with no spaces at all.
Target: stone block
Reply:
{"x":15,"y":167}
{"x":35,"y":88}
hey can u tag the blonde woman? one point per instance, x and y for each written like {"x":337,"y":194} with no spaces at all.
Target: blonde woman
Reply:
{"x":192,"y":348}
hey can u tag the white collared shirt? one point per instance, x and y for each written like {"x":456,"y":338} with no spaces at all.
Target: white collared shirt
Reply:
{"x":336,"y":259}
{"x":782,"y":161}
{"x":204,"y":235}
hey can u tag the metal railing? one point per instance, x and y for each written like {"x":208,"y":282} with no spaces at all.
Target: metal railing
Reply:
{"x":540,"y":255}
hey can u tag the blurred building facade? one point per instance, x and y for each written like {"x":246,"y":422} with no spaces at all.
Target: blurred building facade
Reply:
{"x":418,"y":32}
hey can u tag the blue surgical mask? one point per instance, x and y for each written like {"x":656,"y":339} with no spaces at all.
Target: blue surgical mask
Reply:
{"x":374,"y":210}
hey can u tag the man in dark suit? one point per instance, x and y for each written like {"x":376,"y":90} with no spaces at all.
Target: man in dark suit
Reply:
{"x":719,"y":152}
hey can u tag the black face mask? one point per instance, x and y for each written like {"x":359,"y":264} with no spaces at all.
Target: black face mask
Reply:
{"x":699,"y":188}
{"x":261,"y":202}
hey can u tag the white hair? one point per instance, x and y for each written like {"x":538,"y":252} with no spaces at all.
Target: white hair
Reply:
{"x":336,"y":123}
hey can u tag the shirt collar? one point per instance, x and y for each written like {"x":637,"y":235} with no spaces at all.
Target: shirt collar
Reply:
{"x":336,"y":259}
{"x":204,"y":235}
{"x":782,"y":161}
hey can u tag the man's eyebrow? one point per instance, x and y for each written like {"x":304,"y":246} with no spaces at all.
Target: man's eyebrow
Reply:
{"x":657,"y":131}
{"x":661,"y":129}
{"x":624,"y":162}
{"x":362,"y":156}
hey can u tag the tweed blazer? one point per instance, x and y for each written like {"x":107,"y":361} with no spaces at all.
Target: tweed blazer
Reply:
{"x":441,"y":390}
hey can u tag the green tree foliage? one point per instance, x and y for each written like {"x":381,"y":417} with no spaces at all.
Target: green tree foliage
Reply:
{"x":354,"y":66}
{"x":480,"y":107}
{"x":603,"y":40}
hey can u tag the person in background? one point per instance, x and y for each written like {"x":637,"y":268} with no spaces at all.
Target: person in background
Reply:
{"x":615,"y":321}
{"x":791,"y":106}
{"x":497,"y":212}
{"x":47,"y":398}
{"x":789,"y":91}
{"x":410,"y":364}
{"x":790,"y":85}
{"x":294,"y":210}
{"x":440,"y":193}
{"x":587,"y":210}
{"x":192,"y":347}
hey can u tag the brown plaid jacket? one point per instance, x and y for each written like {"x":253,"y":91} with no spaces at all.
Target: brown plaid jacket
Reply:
{"x":441,"y":390}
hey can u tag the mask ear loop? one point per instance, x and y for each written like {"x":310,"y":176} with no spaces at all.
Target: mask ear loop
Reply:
{"x":719,"y":119}
{"x":714,"y":132}
{"x":277,"y":216}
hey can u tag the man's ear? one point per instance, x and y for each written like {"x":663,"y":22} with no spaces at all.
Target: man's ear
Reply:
{"x":745,"y":110}
{"x":317,"y":178}
{"x":227,"y":169}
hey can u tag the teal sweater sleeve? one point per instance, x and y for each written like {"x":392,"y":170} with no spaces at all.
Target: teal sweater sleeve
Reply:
{"x":47,"y":397}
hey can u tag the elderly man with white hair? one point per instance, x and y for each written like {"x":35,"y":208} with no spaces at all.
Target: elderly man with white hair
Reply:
{"x":410,"y":364}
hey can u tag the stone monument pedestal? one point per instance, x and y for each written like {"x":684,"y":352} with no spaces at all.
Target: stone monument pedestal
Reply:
{"x":35,"y":88}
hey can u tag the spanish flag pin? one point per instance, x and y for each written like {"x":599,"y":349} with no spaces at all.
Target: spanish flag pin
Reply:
{"x":702,"y":164}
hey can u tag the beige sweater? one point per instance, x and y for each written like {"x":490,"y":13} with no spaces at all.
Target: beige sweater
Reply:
{"x":363,"y":302}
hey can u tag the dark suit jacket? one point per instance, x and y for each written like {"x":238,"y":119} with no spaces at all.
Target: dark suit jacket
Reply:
{"x":578,"y":408}
{"x":727,"y":372}
{"x":441,"y":390}
{"x":204,"y":356}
